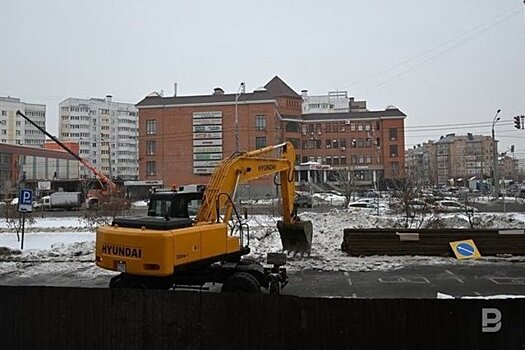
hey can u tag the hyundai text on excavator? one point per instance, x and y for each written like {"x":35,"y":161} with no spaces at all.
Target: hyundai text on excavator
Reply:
{"x":168,"y":249}
{"x":93,"y":195}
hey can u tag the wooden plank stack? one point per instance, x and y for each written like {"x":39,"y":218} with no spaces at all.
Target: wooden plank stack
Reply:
{"x":434,"y":242}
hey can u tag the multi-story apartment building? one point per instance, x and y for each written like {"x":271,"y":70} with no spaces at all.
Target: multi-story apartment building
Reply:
{"x":106,"y":132}
{"x":182,"y":138}
{"x":454,"y":158}
{"x":508,"y":168}
{"x":16,"y":130}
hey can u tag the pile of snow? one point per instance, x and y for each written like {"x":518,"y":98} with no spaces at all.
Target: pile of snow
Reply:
{"x":67,"y":240}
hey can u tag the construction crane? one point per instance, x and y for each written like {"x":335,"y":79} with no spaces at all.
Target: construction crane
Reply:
{"x":108,"y":186}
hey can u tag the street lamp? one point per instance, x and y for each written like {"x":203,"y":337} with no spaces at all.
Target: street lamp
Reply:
{"x":239,"y":92}
{"x":495,"y":155}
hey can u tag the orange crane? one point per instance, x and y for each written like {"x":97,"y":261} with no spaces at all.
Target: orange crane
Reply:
{"x":92,"y":195}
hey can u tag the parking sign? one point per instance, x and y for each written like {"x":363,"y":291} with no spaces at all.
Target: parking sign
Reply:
{"x":25,"y":201}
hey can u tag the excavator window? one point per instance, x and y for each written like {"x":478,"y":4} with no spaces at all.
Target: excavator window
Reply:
{"x":174,"y":205}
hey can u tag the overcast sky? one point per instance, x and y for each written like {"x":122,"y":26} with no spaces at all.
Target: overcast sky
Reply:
{"x":441,"y":62}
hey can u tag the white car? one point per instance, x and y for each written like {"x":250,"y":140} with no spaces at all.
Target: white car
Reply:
{"x":449,"y":206}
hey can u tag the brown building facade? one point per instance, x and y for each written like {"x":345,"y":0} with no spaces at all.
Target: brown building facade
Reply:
{"x":182,"y":138}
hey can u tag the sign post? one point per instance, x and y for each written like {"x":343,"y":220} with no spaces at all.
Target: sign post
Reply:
{"x":25,"y":205}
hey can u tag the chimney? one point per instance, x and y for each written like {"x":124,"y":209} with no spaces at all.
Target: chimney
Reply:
{"x":304,"y":93}
{"x":174,"y":89}
{"x":218,"y":91}
{"x":108,"y":98}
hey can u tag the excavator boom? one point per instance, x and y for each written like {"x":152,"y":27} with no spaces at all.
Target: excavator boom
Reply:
{"x":296,"y":235}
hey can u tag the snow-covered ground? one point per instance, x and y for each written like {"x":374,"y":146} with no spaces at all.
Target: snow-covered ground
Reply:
{"x":68,"y":240}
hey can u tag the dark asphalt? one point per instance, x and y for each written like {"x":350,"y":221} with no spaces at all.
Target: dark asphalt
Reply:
{"x":410,"y":282}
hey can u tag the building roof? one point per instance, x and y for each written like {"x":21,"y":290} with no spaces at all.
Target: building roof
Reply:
{"x":391,"y":112}
{"x":467,"y":138}
{"x":255,"y":96}
{"x":34,"y":151}
{"x":278,"y":88}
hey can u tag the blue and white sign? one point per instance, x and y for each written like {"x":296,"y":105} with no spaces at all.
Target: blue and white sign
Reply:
{"x":25,"y":201}
{"x":465,"y":249}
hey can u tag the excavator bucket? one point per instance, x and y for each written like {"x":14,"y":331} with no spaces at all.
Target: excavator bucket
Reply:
{"x":296,"y":237}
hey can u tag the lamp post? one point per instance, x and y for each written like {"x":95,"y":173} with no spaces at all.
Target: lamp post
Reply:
{"x":495,"y":155}
{"x":239,"y":92}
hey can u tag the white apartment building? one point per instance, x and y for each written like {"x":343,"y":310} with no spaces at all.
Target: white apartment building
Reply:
{"x":106,"y":132}
{"x":334,"y":102}
{"x":14,"y":129}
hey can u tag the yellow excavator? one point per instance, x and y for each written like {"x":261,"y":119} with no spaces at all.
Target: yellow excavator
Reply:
{"x":168,"y":249}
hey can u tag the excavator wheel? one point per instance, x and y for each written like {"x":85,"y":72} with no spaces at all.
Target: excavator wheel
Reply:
{"x":296,"y":237}
{"x":241,"y":282}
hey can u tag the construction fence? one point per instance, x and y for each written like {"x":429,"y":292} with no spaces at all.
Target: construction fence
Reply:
{"x":76,"y":318}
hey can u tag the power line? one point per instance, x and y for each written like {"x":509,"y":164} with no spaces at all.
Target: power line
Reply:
{"x":424,"y":53}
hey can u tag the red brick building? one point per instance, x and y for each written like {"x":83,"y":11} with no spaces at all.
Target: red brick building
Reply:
{"x":182,"y":138}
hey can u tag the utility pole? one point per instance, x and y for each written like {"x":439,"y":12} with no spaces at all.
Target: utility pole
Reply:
{"x":240,"y":91}
{"x":495,"y":155}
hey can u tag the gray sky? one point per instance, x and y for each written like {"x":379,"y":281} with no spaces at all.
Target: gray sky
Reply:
{"x":441,"y":62}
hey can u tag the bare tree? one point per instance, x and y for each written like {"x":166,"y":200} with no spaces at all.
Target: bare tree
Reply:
{"x":346,"y":181}
{"x":107,"y":208}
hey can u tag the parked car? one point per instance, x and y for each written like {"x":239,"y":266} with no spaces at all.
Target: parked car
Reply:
{"x":362,"y":205}
{"x":449,"y":206}
{"x":303,"y":200}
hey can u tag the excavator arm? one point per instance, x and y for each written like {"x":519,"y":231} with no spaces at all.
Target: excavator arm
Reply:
{"x":241,"y":168}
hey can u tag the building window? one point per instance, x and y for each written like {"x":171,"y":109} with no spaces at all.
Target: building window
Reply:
{"x":395,"y":167}
{"x":352,"y":126}
{"x":260,"y":142}
{"x":343,"y":160}
{"x":292,"y":127}
{"x":393,"y":151}
{"x":328,"y":128}
{"x":151,"y":168}
{"x":328,"y":143}
{"x":392,"y":134}
{"x":4,"y":113}
{"x":368,"y":142}
{"x":360,"y":127}
{"x":151,"y":126}
{"x":368,"y":159}
{"x":151,"y":148}
{"x":367,"y":127}
{"x":260,"y":122}
{"x":360,"y":143}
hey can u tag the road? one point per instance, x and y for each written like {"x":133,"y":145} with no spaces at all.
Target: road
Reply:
{"x":409,"y":282}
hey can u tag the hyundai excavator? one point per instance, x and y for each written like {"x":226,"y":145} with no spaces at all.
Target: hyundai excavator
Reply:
{"x":167,"y":249}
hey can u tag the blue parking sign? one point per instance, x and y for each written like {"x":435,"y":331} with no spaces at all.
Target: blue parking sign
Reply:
{"x":25,"y":201}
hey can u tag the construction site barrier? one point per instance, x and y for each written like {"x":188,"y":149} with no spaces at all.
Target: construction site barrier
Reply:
{"x":363,"y":242}
{"x":76,"y":318}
